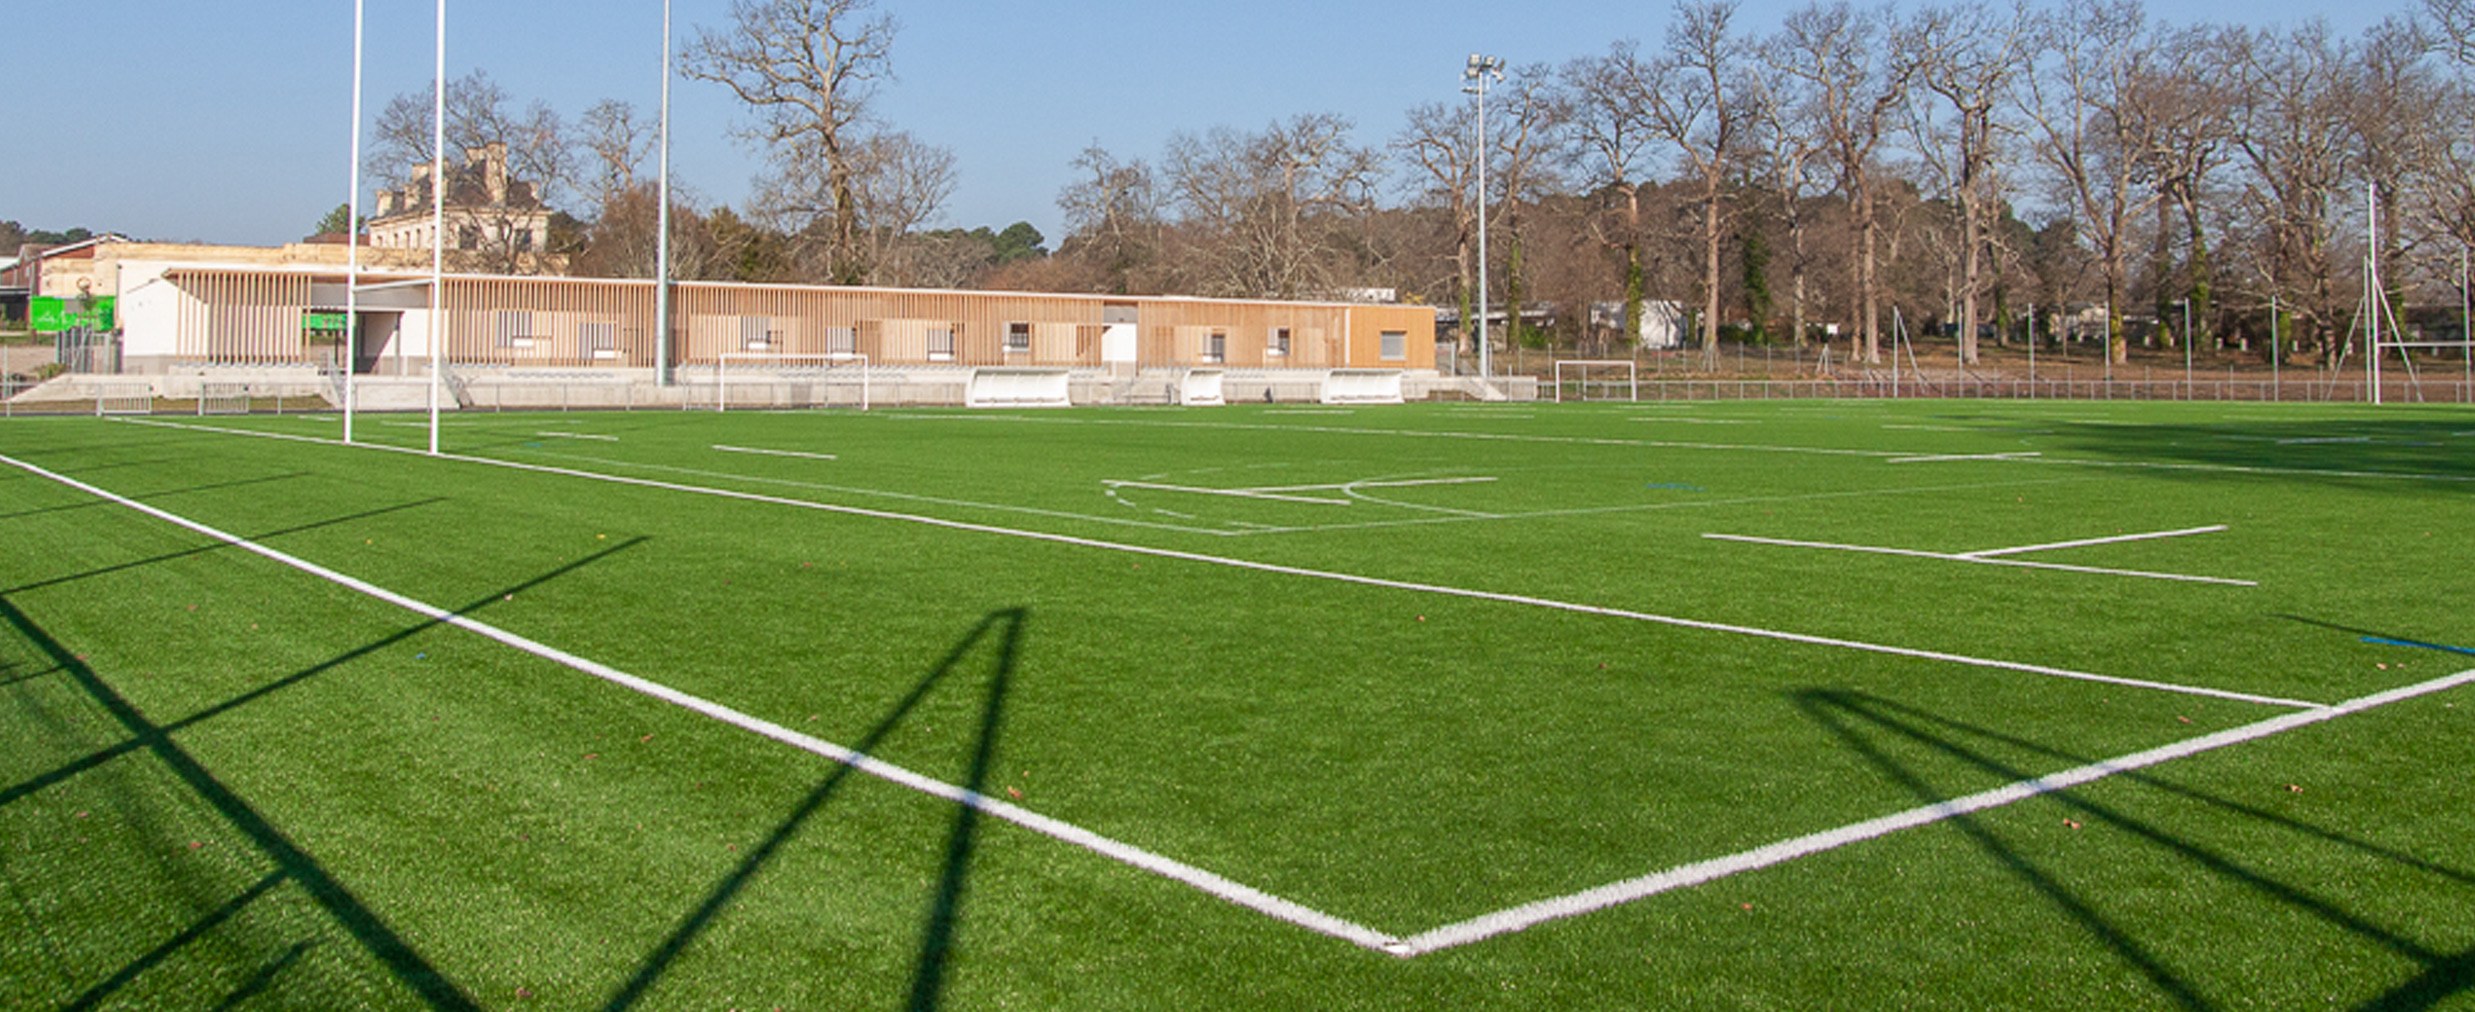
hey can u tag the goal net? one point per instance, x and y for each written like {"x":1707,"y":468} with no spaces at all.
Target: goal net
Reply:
{"x":762,"y":381}
{"x":1597,"y":380}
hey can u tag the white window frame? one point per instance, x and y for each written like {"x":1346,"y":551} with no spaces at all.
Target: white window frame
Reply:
{"x":1018,"y":338}
{"x":1279,"y":345}
{"x":1394,"y":346}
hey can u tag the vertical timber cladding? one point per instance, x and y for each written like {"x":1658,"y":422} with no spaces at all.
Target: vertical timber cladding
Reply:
{"x":890,"y":326}
{"x":241,"y":317}
{"x":1178,"y":332}
{"x":549,"y":321}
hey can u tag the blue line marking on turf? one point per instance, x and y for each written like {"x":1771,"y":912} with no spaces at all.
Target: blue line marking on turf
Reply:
{"x":2412,"y":643}
{"x":1678,"y":485}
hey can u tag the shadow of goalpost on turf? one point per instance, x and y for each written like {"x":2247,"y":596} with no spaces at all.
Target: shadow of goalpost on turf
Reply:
{"x":1005,"y":629}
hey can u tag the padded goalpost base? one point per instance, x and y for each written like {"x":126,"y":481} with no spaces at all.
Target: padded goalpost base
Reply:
{"x":1201,"y":388}
{"x":1018,"y":388}
{"x":1362,"y":386}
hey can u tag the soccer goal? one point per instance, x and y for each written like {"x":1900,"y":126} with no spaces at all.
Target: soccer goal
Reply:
{"x":1599,"y":376}
{"x":1018,"y":388}
{"x":125,"y":399}
{"x":761,"y":381}
{"x":223,"y":398}
{"x":1362,"y":386}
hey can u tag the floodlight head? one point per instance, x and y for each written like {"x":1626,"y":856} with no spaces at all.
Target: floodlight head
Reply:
{"x":1477,"y":64}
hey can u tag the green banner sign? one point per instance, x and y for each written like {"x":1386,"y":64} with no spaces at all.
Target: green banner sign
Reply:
{"x":315,"y":321}
{"x":53,"y":315}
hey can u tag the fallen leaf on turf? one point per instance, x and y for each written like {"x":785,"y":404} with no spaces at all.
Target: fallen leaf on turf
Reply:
{"x":645,"y":738}
{"x":2297,"y":788}
{"x":1018,"y":795}
{"x":2071,"y":824}
{"x":2186,"y":720}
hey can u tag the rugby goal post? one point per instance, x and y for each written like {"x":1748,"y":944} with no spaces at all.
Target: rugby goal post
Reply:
{"x":998,"y":387}
{"x":786,"y":380}
{"x":1362,"y":386}
{"x":1582,"y":379}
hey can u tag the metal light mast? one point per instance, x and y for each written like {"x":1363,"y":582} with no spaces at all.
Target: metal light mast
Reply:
{"x":1474,"y":80}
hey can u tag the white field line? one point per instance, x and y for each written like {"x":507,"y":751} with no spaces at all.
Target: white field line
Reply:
{"x":1937,"y":458}
{"x":1403,"y":483}
{"x":1215,"y":885}
{"x":774,"y":453}
{"x":1700,"y":872}
{"x":1748,"y":447}
{"x":2118,"y":539}
{"x":1241,"y":493}
{"x":1583,"y":511}
{"x":751,"y":479}
{"x":1352,"y":490}
{"x":1317,"y":574}
{"x":579,"y":435}
{"x":2015,"y":563}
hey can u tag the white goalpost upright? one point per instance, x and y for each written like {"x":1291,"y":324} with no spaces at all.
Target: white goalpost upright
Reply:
{"x":1581,"y":382}
{"x":832,"y":380}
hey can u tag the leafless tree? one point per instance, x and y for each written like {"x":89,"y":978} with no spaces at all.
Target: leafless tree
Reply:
{"x":1850,"y":91}
{"x":1968,"y":57}
{"x":615,"y":139}
{"x":1700,"y":100}
{"x":2089,"y":134}
{"x":1268,"y":203}
{"x":1603,"y":104}
{"x":1111,"y":213}
{"x":1439,"y":151}
{"x":2291,"y":128}
{"x":808,"y":69}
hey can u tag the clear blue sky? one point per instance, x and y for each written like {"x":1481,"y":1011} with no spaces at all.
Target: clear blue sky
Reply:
{"x":229,"y":120}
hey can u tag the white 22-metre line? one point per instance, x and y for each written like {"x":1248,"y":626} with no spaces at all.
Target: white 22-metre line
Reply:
{"x":1235,"y":892}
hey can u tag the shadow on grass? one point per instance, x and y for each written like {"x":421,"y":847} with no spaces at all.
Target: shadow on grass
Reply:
{"x":214,"y":546}
{"x":928,"y":980}
{"x":292,"y":864}
{"x":1858,"y":719}
{"x":2417,"y":453}
{"x":91,"y":503}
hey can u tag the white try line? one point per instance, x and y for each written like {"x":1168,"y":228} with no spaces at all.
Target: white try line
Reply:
{"x":1317,"y":574}
{"x":2117,"y":539}
{"x":1981,"y":560}
{"x":579,"y":435}
{"x":775,"y":453}
{"x":1700,"y":872}
{"x":1125,"y":853}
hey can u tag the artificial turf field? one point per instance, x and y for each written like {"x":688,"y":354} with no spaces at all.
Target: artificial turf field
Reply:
{"x":1429,"y":706}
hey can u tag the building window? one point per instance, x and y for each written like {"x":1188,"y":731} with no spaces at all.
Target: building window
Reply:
{"x":1216,"y":347}
{"x":600,"y":340}
{"x":513,"y":328}
{"x":755,"y":333}
{"x":524,"y":240}
{"x":468,"y":237}
{"x":841,"y":341}
{"x":1280,"y":341}
{"x":1395,"y":346}
{"x":1017,"y":338}
{"x":941,"y":344}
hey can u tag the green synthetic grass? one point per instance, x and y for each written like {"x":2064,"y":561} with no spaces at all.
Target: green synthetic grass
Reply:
{"x":231,"y":784}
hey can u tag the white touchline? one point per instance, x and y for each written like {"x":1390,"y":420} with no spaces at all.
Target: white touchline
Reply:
{"x":1981,"y":560}
{"x":2117,"y":539}
{"x":1699,"y":872}
{"x":774,"y":453}
{"x":1269,"y":567}
{"x":1126,"y":853}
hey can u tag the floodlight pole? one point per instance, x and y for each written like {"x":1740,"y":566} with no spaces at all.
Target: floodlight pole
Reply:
{"x":438,"y":216}
{"x":2190,"y":392}
{"x":352,"y":229}
{"x":1474,"y":82}
{"x":661,"y":285}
